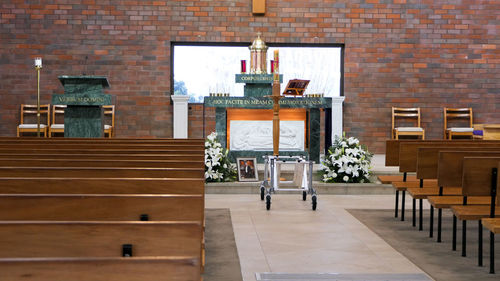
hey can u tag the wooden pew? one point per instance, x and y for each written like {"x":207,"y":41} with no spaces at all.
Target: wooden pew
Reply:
{"x":102,"y":172}
{"x":101,"y":207}
{"x":101,"y":151}
{"x":92,"y":185}
{"x":101,"y":269}
{"x":408,"y":158}
{"x":59,"y":239}
{"x":449,"y":174}
{"x":98,"y":238}
{"x":36,"y":161}
{"x":198,"y":141}
{"x":479,"y":177}
{"x":121,"y":156}
{"x":427,"y":169}
{"x":85,"y":145}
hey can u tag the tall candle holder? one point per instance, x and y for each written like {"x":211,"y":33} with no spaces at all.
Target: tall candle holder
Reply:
{"x":38,"y":67}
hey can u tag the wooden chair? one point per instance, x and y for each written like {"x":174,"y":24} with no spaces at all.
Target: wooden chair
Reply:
{"x":410,"y":114}
{"x":57,"y":110}
{"x":457,"y":113}
{"x":109,"y":129}
{"x":29,"y":115}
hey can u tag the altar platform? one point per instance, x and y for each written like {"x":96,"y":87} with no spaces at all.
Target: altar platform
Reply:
{"x":374,"y":187}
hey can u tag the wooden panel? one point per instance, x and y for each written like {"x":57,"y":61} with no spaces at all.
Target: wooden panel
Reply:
{"x":493,"y":224}
{"x":258,"y":6}
{"x":427,"y":158}
{"x":87,"y":207}
{"x":101,"y":186}
{"x":36,"y":161}
{"x":491,"y":131}
{"x":102,"y":172}
{"x":100,"y":269}
{"x":450,"y":165}
{"x":477,"y":175}
{"x":98,"y":238}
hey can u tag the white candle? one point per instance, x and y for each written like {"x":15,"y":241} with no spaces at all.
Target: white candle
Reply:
{"x":38,"y":62}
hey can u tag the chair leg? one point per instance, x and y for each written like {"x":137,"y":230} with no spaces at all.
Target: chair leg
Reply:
{"x":420,"y":215}
{"x":480,"y":244}
{"x":454,"y":239}
{"x":396,"y":205}
{"x":403,"y":199}
{"x":431,"y":222}
{"x":440,"y":217}
{"x":464,"y":238}
{"x":492,"y":252}
{"x":414,"y":212}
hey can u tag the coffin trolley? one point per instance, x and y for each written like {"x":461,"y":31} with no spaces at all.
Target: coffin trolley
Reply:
{"x":302,"y":178}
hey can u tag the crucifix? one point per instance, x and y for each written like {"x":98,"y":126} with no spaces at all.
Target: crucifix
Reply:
{"x":258,"y":7}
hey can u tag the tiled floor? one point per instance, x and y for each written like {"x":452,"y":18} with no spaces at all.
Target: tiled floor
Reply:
{"x":291,"y":238}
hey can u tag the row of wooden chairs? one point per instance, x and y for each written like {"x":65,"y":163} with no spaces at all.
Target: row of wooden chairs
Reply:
{"x":55,"y":118}
{"x":412,"y":116}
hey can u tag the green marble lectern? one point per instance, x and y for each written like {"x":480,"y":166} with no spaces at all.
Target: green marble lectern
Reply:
{"x":84,"y":97}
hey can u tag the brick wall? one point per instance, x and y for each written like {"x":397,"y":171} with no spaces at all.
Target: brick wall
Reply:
{"x":427,"y":53}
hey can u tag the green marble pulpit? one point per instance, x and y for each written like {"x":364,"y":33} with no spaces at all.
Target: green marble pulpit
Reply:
{"x":84,"y":97}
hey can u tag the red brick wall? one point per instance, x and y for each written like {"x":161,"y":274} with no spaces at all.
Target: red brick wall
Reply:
{"x":427,"y":53}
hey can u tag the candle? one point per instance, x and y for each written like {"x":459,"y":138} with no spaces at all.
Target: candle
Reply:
{"x":38,"y":62}
{"x":243,"y":66}
{"x":272,"y":66}
{"x":276,"y":55}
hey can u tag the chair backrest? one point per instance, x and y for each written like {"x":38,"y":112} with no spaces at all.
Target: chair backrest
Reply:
{"x":109,"y":110}
{"x":409,"y":114}
{"x":28,"y":111}
{"x":457,"y":113}
{"x":57,"y":110}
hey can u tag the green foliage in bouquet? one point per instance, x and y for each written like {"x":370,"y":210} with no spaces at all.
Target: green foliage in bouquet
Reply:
{"x":346,"y":162}
{"x":218,"y":168}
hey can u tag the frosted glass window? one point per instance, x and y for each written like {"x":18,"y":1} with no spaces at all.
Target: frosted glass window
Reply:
{"x":200,"y":70}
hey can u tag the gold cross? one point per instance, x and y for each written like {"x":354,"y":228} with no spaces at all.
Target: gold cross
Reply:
{"x":258,"y":7}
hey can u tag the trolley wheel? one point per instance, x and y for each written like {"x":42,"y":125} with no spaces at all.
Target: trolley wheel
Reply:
{"x":304,"y":195}
{"x":262,"y":190}
{"x":268,"y":202}
{"x":314,"y":202}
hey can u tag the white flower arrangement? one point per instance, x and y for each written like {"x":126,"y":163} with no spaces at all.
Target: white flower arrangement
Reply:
{"x":346,"y":162}
{"x":218,"y":168}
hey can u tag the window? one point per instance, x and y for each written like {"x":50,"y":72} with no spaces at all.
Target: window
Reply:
{"x":202,"y":69}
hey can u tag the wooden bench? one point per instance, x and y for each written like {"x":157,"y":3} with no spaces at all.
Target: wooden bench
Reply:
{"x":70,"y":242}
{"x":90,"y":185}
{"x":101,"y":172}
{"x":102,"y":207}
{"x":36,"y":161}
{"x":449,"y":170}
{"x":427,"y":169}
{"x":99,"y":269}
{"x":479,"y":179}
{"x":408,"y":158}
{"x":122,"y":156}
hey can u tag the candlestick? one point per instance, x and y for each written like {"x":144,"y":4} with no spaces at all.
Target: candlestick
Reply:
{"x":243,"y":66}
{"x":38,"y":66}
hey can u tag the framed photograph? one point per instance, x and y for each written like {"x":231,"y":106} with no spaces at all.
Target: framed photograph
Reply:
{"x":247,"y":169}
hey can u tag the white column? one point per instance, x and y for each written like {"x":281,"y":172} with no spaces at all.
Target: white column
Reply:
{"x":337,"y":116}
{"x":180,"y":116}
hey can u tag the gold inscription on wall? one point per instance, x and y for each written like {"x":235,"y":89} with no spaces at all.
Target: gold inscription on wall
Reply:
{"x":81,"y":99}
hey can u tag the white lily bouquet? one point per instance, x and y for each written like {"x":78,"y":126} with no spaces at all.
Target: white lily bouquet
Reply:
{"x":346,"y":162}
{"x":218,"y":168}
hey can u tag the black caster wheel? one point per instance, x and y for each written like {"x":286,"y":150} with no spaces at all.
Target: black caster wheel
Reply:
{"x":262,"y":190}
{"x":268,"y":202}
{"x":304,"y":195}
{"x":314,"y":202}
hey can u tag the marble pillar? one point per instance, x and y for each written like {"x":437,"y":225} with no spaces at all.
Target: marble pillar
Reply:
{"x":180,"y":116}
{"x":337,"y":117}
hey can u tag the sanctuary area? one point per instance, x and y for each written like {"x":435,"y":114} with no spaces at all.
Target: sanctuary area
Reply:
{"x":249,"y":140}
